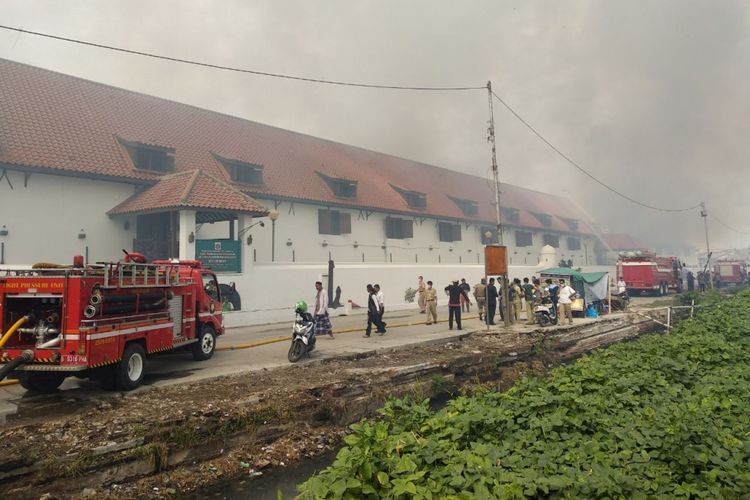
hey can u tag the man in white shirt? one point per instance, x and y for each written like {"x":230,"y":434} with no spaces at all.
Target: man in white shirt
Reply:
{"x":381,"y":303}
{"x":565,"y":296}
{"x":621,"y":287}
{"x":373,"y":312}
{"x":322,"y":321}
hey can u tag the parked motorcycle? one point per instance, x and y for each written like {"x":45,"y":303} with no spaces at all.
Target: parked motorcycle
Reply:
{"x":620,"y":301}
{"x":545,"y":312}
{"x":303,"y":333}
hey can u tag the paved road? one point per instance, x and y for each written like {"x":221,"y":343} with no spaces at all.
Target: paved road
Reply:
{"x":404,"y":327}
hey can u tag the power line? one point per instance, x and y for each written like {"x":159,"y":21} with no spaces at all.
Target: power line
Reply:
{"x":727,"y":226}
{"x":240,"y":70}
{"x":583,"y":170}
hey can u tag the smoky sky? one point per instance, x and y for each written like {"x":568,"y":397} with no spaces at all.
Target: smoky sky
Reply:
{"x":651,"y":97}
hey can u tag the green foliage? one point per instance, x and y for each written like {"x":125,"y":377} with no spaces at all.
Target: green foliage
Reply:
{"x":666,"y":416}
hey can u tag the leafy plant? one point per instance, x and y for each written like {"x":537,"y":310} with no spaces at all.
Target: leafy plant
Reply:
{"x":665,"y":416}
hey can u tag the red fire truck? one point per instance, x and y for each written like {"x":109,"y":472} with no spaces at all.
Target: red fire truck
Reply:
{"x":102,"y":321}
{"x":730,"y":272}
{"x":645,"y":272}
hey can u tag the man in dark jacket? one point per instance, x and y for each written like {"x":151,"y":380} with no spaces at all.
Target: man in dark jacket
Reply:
{"x":373,"y":312}
{"x":455,"y":293}
{"x":491,"y":302}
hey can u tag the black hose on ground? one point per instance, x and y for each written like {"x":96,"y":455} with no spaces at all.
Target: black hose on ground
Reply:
{"x":26,"y":357}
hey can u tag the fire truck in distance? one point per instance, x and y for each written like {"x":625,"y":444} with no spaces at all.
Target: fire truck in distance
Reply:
{"x":730,"y":272}
{"x":645,"y":272}
{"x":102,"y":321}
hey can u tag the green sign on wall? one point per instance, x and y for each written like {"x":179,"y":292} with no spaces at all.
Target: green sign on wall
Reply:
{"x":219,"y":255}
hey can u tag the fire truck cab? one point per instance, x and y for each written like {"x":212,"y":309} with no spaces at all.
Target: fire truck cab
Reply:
{"x":102,"y":321}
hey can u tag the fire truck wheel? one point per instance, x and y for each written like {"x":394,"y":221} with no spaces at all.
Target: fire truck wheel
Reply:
{"x":204,"y":348}
{"x":40,"y":381}
{"x":129,"y":371}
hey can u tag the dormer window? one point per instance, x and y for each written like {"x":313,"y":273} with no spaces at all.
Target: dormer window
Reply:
{"x":150,"y":156}
{"x":468,"y":207}
{"x":544,"y":219}
{"x":414,"y":199}
{"x":571,"y":223}
{"x":510,"y":214}
{"x":341,"y":188}
{"x":241,"y":171}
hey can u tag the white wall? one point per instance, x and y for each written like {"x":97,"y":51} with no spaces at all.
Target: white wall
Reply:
{"x":269,"y":291}
{"x":44,"y":219}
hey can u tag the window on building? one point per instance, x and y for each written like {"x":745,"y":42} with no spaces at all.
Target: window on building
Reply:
{"x":510,"y":214}
{"x":399,"y":229}
{"x":414,"y":199}
{"x":342,"y":188}
{"x":240,"y":171}
{"x":468,"y":207}
{"x":574,"y":243}
{"x":524,"y":239}
{"x":492,"y":239}
{"x":544,"y":219}
{"x":150,"y":157}
{"x":449,"y":231}
{"x":334,"y":222}
{"x":552,"y":240}
{"x":571,"y":223}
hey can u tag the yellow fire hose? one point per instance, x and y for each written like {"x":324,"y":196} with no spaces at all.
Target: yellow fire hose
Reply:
{"x":13,"y":329}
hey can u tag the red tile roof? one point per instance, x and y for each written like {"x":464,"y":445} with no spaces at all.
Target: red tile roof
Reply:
{"x":190,"y":190}
{"x":60,"y":123}
{"x":621,"y":241}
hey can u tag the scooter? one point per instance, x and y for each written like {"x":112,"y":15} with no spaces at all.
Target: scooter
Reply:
{"x":303,"y":335}
{"x":545,"y":312}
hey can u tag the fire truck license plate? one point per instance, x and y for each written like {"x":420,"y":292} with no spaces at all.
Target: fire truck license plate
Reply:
{"x":74,"y":359}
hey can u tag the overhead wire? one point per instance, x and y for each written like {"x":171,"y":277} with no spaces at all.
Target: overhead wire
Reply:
{"x":727,"y":226}
{"x":583,"y":170}
{"x":239,"y":70}
{"x":365,"y":85}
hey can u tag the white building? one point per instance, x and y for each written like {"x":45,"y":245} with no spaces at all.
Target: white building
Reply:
{"x":90,"y":169}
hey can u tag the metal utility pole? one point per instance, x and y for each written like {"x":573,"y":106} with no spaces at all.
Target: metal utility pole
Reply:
{"x":704,"y":214}
{"x":496,"y":177}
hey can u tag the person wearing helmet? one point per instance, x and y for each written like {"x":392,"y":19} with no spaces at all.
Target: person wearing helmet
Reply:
{"x":322,"y":321}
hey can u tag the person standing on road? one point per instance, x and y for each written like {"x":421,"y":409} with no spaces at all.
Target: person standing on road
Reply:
{"x":381,"y":303}
{"x":322,"y":320}
{"x":566,"y":296}
{"x":373,"y":312}
{"x":553,"y":289}
{"x":517,"y":298}
{"x":455,"y":292}
{"x":480,"y":291}
{"x":430,"y":297}
{"x":690,"y":281}
{"x":528,"y":296}
{"x":491,"y":301}
{"x":421,"y":299}
{"x":466,"y":288}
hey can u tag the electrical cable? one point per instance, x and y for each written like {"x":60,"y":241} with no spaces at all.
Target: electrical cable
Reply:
{"x":361,"y":85}
{"x":240,"y":70}
{"x":727,"y":226}
{"x":583,"y":170}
